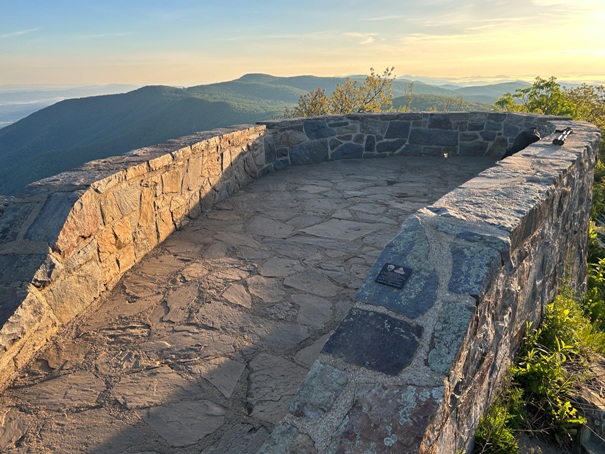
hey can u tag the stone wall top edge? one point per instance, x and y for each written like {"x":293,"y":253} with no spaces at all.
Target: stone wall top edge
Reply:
{"x":282,"y":122}
{"x":108,"y":168}
{"x":96,"y":171}
{"x":503,"y":195}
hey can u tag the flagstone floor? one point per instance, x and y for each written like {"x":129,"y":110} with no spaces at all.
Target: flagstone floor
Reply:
{"x":202,"y":345}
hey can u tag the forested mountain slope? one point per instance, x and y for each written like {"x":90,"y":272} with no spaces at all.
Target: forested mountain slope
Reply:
{"x":72,"y":132}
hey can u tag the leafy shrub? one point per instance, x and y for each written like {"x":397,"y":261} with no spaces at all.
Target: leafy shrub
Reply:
{"x":597,"y":209}
{"x":547,"y":385}
{"x":539,"y":396}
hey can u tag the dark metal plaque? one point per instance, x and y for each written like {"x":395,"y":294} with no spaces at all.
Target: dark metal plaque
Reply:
{"x":393,"y":275}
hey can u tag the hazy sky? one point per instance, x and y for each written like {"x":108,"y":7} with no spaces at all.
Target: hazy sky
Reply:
{"x":187,"y":42}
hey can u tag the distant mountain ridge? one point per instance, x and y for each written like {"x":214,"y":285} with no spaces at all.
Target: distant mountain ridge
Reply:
{"x":18,"y":101}
{"x":74,"y":131}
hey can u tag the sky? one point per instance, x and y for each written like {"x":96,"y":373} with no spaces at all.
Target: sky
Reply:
{"x":187,"y":42}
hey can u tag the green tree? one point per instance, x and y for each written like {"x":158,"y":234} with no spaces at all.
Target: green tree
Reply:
{"x":409,"y":98}
{"x":373,"y":94}
{"x":450,"y":103}
{"x":545,"y":97}
{"x":589,"y":102}
{"x":314,"y":103}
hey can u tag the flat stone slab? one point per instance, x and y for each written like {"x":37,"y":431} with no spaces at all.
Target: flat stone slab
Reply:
{"x":14,"y":426}
{"x":452,"y":325}
{"x":312,"y":282}
{"x":280,"y":267}
{"x":77,"y":390}
{"x":237,"y":294}
{"x":184,"y":423}
{"x":240,"y":439}
{"x":273,"y":383}
{"x":223,"y":373}
{"x":375,"y":341}
{"x":268,"y":227}
{"x":408,"y":249}
{"x":153,"y":387}
{"x":89,"y":431}
{"x":341,"y":229}
{"x":319,"y":391}
{"x":364,"y":426}
{"x":314,"y":311}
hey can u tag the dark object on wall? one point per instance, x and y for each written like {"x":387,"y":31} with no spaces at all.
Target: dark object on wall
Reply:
{"x":564,"y":133}
{"x":393,"y":275}
{"x":523,"y":140}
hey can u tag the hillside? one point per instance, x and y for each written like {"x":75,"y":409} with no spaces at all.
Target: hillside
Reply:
{"x":18,"y":101}
{"x":440,"y":103}
{"x":490,"y":93}
{"x":74,"y":131}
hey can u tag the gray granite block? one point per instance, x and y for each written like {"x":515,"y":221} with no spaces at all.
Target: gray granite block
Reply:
{"x":375,"y":341}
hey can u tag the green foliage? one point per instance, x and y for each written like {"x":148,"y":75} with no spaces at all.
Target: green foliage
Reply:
{"x":547,"y":386}
{"x":406,"y":100}
{"x":567,"y":322}
{"x":593,"y":301}
{"x":545,"y":97}
{"x":549,"y":362}
{"x":442,"y":103}
{"x":539,"y":396}
{"x":493,"y":434}
{"x":589,"y":103}
{"x":497,"y":429}
{"x":373,"y":94}
{"x":597,"y":209}
{"x":314,"y":103}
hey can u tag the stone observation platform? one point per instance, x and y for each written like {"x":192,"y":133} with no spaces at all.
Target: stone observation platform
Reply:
{"x":337,"y":304}
{"x":202,"y":346}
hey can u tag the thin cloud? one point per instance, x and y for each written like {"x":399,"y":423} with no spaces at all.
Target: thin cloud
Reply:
{"x":383,"y":18}
{"x":365,"y":38}
{"x":18,"y":33}
{"x":106,"y":35}
{"x":296,"y":36}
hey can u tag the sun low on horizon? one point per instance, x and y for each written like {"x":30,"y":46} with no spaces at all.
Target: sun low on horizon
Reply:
{"x":186,"y":42}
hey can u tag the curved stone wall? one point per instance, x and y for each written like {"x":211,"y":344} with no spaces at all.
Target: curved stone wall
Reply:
{"x":67,"y":239}
{"x":311,"y":140}
{"x":407,"y":369}
{"x":413,"y":369}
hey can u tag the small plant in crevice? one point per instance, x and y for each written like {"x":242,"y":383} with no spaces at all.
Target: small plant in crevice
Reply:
{"x":597,"y":207}
{"x":498,"y":428}
{"x":593,"y":301}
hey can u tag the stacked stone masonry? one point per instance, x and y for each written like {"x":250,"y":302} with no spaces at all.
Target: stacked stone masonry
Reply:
{"x":407,"y":370}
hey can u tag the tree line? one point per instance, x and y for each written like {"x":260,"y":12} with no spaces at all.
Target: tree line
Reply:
{"x":375,"y":94}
